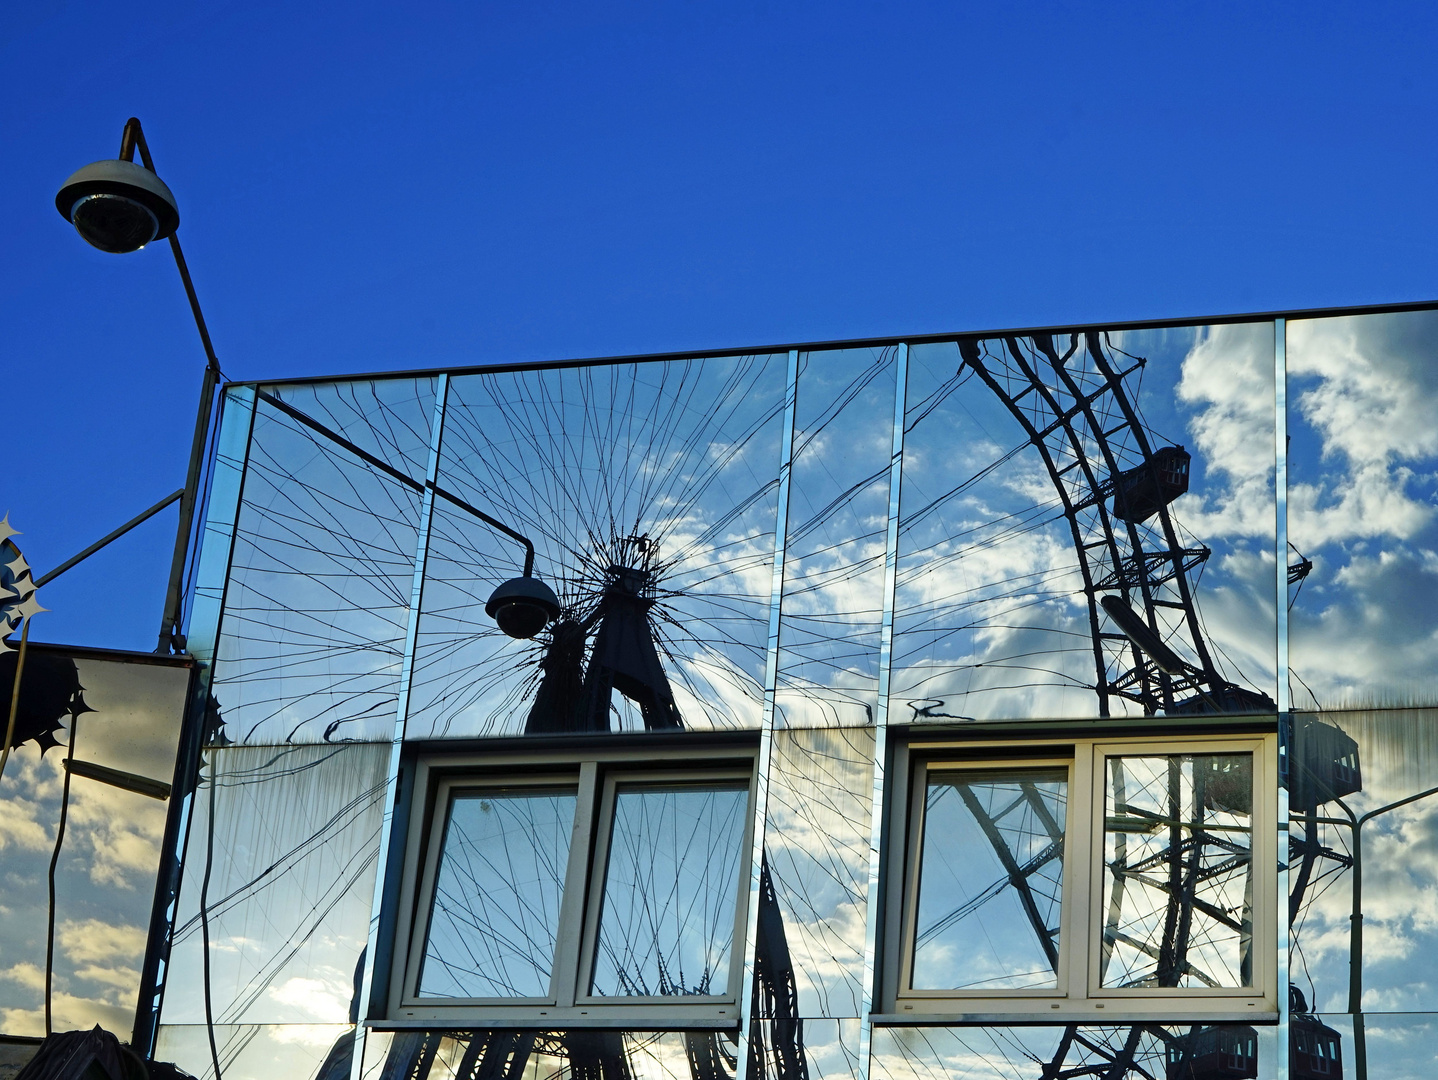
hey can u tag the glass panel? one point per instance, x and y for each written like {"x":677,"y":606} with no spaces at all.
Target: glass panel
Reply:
{"x":1011,"y":1053}
{"x":495,"y":914}
{"x":650,"y":493}
{"x":129,"y":719}
{"x":1362,"y":485}
{"x":389,"y":418}
{"x":667,"y":925}
{"x":990,"y":879}
{"x":260,"y":1051}
{"x":833,"y":601}
{"x":317,"y":602}
{"x":138,"y":707}
{"x":816,"y":858}
{"x":1376,"y":771}
{"x":818,"y":1049}
{"x":1044,"y":475}
{"x":1178,"y":874}
{"x":295,"y":839}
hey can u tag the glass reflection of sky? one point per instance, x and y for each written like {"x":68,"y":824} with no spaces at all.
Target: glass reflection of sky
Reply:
{"x":816,"y":843}
{"x":107,"y":866}
{"x":832,"y":609}
{"x":1363,"y":508}
{"x":1011,"y":1053}
{"x":972,"y":930}
{"x":317,"y":599}
{"x":296,"y":842}
{"x":989,"y":615}
{"x":667,"y":924}
{"x":1188,"y":815}
{"x":495,"y":913}
{"x":1397,"y":751}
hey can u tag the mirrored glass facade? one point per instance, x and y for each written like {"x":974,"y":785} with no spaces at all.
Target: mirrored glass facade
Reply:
{"x":826,"y":555}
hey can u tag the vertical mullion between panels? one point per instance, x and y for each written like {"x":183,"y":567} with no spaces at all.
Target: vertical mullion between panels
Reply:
{"x":881,"y":714}
{"x":766,"y":725}
{"x":387,"y":821}
{"x":1284,"y":695}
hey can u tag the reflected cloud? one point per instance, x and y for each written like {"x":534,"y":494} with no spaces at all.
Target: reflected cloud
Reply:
{"x":1363,"y":479}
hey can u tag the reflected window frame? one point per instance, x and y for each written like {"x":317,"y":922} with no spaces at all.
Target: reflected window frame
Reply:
{"x":596,"y":776}
{"x":1078,"y":993}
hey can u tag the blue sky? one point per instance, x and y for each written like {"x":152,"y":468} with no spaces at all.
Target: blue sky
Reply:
{"x":371,"y":187}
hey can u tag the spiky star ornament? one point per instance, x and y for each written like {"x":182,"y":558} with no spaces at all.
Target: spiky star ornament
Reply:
{"x":50,"y":687}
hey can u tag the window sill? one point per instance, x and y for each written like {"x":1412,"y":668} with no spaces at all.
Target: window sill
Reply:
{"x":626,"y":1022}
{"x":1110,"y":1013}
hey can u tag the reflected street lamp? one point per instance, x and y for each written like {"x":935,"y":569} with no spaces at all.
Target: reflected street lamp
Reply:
{"x":119,"y":207}
{"x":1355,"y":823}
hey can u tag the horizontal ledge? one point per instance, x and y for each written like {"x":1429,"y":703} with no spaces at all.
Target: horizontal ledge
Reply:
{"x":1091,"y":1015}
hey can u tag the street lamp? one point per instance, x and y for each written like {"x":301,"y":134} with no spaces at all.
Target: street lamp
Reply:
{"x":119,"y":207}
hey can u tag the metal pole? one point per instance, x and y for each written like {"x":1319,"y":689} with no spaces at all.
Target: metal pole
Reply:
{"x":121,"y":531}
{"x":170,"y":621}
{"x":132,"y":139}
{"x":1355,"y":957}
{"x":15,"y":695}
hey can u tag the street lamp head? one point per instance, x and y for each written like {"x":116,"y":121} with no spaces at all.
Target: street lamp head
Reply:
{"x":118,"y":206}
{"x":522,"y":606}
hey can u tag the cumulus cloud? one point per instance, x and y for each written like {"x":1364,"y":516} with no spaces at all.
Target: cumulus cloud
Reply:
{"x":20,"y":828}
{"x":317,"y":1036}
{"x":121,"y":978}
{"x":121,"y":830}
{"x":313,"y":999}
{"x":1227,"y":378}
{"x":70,"y":1012}
{"x":26,"y":974}
{"x":93,"y":941}
{"x":1368,"y":387}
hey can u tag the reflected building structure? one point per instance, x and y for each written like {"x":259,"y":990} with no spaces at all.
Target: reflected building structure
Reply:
{"x":972,"y":705}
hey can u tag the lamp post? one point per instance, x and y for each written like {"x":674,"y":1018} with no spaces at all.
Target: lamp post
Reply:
{"x":119,"y":207}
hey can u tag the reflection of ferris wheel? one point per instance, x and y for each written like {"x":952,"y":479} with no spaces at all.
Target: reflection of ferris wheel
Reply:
{"x":649,"y":491}
{"x":1115,"y":486}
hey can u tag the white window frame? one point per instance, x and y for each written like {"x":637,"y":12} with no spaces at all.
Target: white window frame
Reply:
{"x":1077,"y":995}
{"x":597,"y":776}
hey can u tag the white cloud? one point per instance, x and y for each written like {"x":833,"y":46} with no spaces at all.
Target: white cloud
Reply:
{"x":1372,"y":404}
{"x":94,"y":941}
{"x":314,"y":999}
{"x":26,"y":974}
{"x":1228,"y":377}
{"x":122,"y":978}
{"x":69,"y":1013}
{"x":320,"y":1036}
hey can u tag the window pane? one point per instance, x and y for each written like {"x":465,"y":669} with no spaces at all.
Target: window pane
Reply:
{"x":990,"y":873}
{"x":667,"y":926}
{"x":496,"y":897}
{"x":1178,"y":881}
